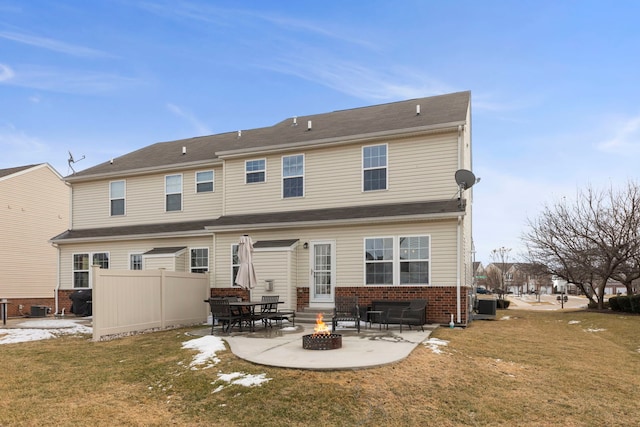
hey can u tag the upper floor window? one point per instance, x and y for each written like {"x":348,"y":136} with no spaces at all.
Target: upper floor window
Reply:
{"x":374,"y":167}
{"x":403,"y":260}
{"x":255,"y":171}
{"x":199,"y":260}
{"x":204,"y":182}
{"x":117,"y":197}
{"x":293,"y":176}
{"x":173,"y":193}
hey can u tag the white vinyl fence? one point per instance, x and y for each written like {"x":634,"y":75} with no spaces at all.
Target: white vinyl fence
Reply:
{"x":129,"y":301}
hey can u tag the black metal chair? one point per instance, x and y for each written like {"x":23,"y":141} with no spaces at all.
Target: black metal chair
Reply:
{"x":269,"y":310}
{"x":346,"y":309}
{"x":414,"y":314}
{"x":221,"y":311}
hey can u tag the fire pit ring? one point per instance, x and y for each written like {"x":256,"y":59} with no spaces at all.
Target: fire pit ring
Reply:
{"x":321,"y":341}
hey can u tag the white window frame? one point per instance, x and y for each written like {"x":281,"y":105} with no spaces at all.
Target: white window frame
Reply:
{"x":123,"y":198}
{"x":263,"y":170}
{"x":132,"y":254}
{"x":396,"y":261}
{"x":366,"y":261}
{"x":167,"y":193}
{"x":212,"y":181}
{"x":378,"y":167}
{"x":293,"y":176}
{"x":191,"y":267}
{"x":90,"y":255}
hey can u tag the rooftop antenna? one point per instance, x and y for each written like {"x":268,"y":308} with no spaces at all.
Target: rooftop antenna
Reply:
{"x":465,"y":180}
{"x":72,"y":160}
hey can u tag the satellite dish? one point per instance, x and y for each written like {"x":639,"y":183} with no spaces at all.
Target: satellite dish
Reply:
{"x":465,"y":179}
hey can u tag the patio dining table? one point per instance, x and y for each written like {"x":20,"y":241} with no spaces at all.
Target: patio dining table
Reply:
{"x":247,"y":310}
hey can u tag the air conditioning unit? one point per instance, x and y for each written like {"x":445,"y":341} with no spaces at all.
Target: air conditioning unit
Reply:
{"x":38,"y":311}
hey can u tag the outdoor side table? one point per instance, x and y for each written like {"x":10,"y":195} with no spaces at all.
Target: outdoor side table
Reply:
{"x":372,"y":315}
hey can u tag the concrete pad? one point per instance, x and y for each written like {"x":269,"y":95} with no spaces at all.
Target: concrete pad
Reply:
{"x":368,"y":349}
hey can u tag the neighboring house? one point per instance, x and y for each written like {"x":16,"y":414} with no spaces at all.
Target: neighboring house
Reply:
{"x":518,"y":278}
{"x":353,"y":202}
{"x":35,"y":206}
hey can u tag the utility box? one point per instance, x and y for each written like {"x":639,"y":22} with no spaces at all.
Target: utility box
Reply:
{"x":486,"y":309}
{"x":38,"y":311}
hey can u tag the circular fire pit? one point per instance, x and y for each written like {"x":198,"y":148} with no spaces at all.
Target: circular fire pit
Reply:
{"x":321,"y":341}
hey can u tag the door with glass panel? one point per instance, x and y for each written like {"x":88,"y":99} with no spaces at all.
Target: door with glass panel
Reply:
{"x":322,"y":263}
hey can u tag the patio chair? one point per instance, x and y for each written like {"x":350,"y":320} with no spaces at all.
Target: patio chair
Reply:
{"x":346,"y":309}
{"x":414,"y":314}
{"x":269,"y":312}
{"x":221,"y":311}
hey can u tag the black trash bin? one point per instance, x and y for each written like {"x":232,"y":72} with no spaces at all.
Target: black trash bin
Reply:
{"x":81,"y":302}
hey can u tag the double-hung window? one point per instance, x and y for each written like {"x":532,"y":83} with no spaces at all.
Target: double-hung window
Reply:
{"x":117,"y":198}
{"x":414,"y":260}
{"x":293,"y":176}
{"x":135,"y":262}
{"x":199,"y":260}
{"x":173,"y":193}
{"x":81,"y":266}
{"x":255,"y":171}
{"x":204,"y":182}
{"x":401,"y":260}
{"x":374,"y":167}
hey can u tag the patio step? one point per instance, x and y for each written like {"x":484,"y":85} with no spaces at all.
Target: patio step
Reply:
{"x":308,"y":315}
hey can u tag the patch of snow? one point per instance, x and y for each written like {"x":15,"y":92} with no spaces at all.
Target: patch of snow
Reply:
{"x":434,"y":344}
{"x":288,"y":328}
{"x":207,"y":347}
{"x":594,"y":330}
{"x":505,"y":318}
{"x":574,"y":322}
{"x":36,"y":330}
{"x":246,"y":380}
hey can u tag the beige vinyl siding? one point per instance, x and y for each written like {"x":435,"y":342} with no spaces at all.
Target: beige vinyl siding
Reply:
{"x":333,"y":177}
{"x":35,"y":208}
{"x":119,"y":254}
{"x":145,"y":201}
{"x":349,"y":251}
{"x":276,"y":265}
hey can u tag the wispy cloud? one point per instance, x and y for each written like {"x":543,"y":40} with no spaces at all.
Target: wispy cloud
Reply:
{"x":6,"y":73}
{"x":54,"y":45}
{"x":625,"y":138}
{"x":68,"y":81}
{"x":200,"y":128}
{"x":360,"y":80}
{"x":18,"y":147}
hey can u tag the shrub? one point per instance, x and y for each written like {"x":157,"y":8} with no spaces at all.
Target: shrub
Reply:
{"x":613,"y":303}
{"x":625,"y":303}
{"x":635,"y":303}
{"x":503,"y":303}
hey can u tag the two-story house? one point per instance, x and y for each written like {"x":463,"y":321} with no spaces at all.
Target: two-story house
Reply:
{"x":35,"y":206}
{"x":353,"y":202}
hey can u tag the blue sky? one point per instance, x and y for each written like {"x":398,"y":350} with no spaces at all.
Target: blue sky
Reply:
{"x":554,"y":83}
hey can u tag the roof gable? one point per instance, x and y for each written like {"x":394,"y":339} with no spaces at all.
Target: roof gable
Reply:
{"x":396,"y":116}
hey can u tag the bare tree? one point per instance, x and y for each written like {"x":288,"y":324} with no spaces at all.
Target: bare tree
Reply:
{"x":591,"y":241}
{"x":500,"y":258}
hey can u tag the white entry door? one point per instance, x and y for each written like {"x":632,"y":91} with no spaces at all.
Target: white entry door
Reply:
{"x":322,"y":262}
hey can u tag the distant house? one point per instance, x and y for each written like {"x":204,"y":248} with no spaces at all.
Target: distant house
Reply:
{"x":35,"y":206}
{"x":518,"y":278}
{"x":352,"y":202}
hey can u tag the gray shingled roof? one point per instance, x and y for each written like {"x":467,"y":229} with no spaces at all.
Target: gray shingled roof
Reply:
{"x":435,"y":110}
{"x":11,"y":171}
{"x":362,"y":213}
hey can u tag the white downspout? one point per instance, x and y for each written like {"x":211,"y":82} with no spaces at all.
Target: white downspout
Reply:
{"x":458,"y":234}
{"x":458,"y":245}
{"x":55,"y":294}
